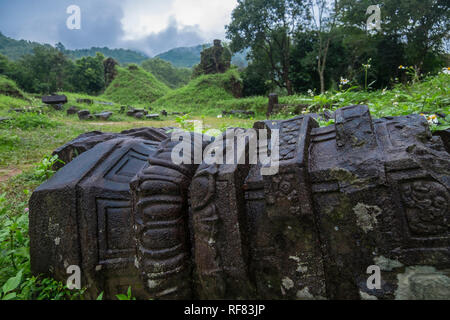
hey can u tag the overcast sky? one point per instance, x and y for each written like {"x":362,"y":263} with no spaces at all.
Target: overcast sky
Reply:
{"x":150,"y":26}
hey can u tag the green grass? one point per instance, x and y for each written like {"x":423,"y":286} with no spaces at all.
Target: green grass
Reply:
{"x":134,"y":85}
{"x":201,"y":95}
{"x":10,"y":88}
{"x":165,"y":72}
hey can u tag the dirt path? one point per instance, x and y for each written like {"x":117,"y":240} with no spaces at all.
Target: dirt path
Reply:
{"x":7,"y":173}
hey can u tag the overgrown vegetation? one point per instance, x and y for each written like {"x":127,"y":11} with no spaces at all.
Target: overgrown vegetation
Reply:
{"x":201,"y":94}
{"x":311,"y":45}
{"x":165,"y":72}
{"x":135,"y":85}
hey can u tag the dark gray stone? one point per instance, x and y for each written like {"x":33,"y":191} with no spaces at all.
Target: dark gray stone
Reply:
{"x":359,"y":193}
{"x":91,"y":225}
{"x":445,"y":136}
{"x":139,"y":115}
{"x":153,"y":116}
{"x":54,"y":99}
{"x":104,"y":103}
{"x":161,"y":217}
{"x":136,"y":113}
{"x":73,"y":110}
{"x":85,"y":115}
{"x":104,"y":115}
{"x":273,"y":100}
{"x":89,"y":140}
{"x":58,"y":107}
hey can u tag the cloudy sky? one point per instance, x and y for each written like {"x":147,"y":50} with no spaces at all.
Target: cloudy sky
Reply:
{"x":150,"y":26}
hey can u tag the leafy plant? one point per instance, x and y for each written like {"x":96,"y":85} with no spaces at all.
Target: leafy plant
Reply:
{"x":325,"y":123}
{"x":6,"y":292}
{"x":128,"y":296}
{"x":43,"y":170}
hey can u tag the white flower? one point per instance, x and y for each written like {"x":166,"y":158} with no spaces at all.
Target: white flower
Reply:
{"x":446,"y":70}
{"x":311,"y":93}
{"x":432,"y":119}
{"x":344,"y":81}
{"x":219,"y":116}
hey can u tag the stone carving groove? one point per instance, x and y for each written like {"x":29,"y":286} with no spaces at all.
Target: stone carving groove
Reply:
{"x":358,"y":193}
{"x":219,"y":227}
{"x":161,"y":220}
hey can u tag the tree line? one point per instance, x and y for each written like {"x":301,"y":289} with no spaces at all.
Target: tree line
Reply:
{"x":51,"y":69}
{"x":301,"y":45}
{"x":48,"y":70}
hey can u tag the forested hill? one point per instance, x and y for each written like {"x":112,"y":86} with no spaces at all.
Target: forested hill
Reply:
{"x":14,"y":49}
{"x":123,"y":56}
{"x":184,"y":57}
{"x":187,"y":57}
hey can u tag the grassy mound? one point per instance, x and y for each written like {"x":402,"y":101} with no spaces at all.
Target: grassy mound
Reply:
{"x":134,"y":85}
{"x":201,"y":94}
{"x":9,"y":88}
{"x":165,"y":72}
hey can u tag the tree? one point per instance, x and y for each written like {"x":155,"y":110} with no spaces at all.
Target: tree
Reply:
{"x":267,"y":26}
{"x":323,"y":15}
{"x":89,"y":75}
{"x":44,"y":71}
{"x":421,"y":25}
{"x":4,"y":64}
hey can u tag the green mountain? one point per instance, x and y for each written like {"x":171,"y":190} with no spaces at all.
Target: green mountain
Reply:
{"x":14,"y":49}
{"x":187,"y":57}
{"x":165,"y":72}
{"x":133,"y":85}
{"x":183,"y":57}
{"x":123,"y":56}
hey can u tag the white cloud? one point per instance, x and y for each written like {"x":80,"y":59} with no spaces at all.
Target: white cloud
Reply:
{"x":145,"y":17}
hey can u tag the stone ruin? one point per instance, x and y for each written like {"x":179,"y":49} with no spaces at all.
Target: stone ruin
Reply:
{"x":363,"y":192}
{"x":109,"y":66}
{"x":216,"y":59}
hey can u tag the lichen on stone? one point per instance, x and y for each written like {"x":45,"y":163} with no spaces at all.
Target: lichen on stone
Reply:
{"x":366,"y":216}
{"x":423,"y":283}
{"x":386,"y":264}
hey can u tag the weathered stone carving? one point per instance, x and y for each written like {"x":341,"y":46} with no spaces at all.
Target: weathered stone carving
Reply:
{"x":161,"y":223}
{"x":215,"y":59}
{"x":356,"y":194}
{"x":87,"y":141}
{"x":109,"y":66}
